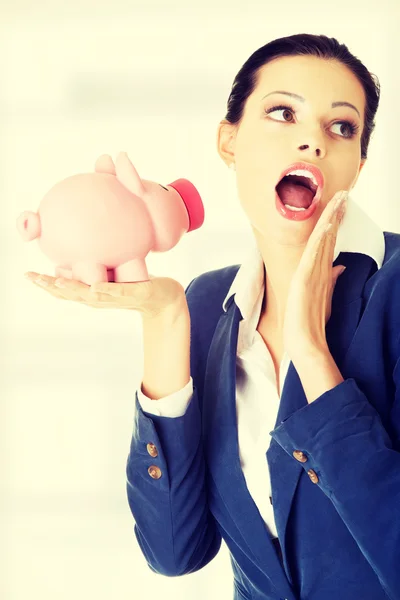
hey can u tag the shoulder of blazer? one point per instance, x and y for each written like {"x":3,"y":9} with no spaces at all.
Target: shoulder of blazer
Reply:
{"x":391,"y":261}
{"x":208,"y":290}
{"x":387,"y":288}
{"x":388,"y":276}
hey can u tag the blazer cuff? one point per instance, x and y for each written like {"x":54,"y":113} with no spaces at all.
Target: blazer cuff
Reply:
{"x":173,"y":405}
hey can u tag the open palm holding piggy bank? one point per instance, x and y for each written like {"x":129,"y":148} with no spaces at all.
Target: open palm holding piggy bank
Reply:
{"x":99,"y":227}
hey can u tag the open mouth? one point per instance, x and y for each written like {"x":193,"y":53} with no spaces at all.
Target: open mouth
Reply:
{"x":297,"y":192}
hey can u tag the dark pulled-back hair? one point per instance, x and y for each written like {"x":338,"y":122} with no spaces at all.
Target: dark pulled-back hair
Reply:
{"x":304,"y":44}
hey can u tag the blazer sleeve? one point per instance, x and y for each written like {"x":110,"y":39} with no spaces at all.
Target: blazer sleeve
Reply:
{"x":174,"y":527}
{"x":358,"y":468}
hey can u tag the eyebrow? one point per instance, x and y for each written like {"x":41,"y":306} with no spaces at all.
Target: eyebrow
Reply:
{"x":297,"y":97}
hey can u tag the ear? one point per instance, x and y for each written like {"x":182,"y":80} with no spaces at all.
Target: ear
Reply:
{"x":105,"y":164}
{"x":226,"y":136}
{"x":362,"y":163}
{"x":128,"y":176}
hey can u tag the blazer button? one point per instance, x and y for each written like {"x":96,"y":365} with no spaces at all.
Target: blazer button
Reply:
{"x":154,"y":472}
{"x":152,"y":450}
{"x":298,"y":454}
{"x":313,"y":476}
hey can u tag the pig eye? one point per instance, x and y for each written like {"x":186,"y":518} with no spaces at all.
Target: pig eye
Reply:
{"x":164,"y":188}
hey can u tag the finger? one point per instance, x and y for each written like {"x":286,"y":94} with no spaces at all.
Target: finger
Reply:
{"x":31,"y":275}
{"x":69,"y":291}
{"x":339,"y":204}
{"x":100,"y":298}
{"x":102,"y":294}
{"x":111,"y":300}
{"x":341,"y":212}
{"x":76,"y":290}
{"x":319,"y":252}
{"x":331,"y":208}
{"x":325,"y":252}
{"x":44,"y":281}
{"x":122,"y":289}
{"x":127,"y":294}
{"x":39,"y":278}
{"x":332,"y":231}
{"x":47,"y":283}
{"x":50,"y":290}
{"x":106,"y":288}
{"x":71,"y":284}
{"x":327,"y":225}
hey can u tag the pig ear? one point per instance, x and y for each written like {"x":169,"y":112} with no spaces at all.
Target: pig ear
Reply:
{"x":128,"y":176}
{"x":105,"y":164}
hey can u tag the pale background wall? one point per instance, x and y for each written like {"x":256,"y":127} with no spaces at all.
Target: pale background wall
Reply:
{"x":151,"y":78}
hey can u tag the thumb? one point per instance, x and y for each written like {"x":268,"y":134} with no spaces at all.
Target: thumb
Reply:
{"x":337,"y":271}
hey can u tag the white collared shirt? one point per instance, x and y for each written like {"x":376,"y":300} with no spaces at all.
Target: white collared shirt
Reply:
{"x":257,"y":397}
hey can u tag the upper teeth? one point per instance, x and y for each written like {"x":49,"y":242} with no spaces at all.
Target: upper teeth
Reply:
{"x":304,"y":173}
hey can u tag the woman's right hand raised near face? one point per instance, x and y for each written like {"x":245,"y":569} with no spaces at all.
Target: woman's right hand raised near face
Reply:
{"x":150,"y":298}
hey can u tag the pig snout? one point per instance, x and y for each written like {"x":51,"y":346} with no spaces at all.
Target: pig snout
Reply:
{"x":28,"y":225}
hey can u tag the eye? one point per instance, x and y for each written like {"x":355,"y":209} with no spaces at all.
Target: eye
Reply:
{"x":352,"y":127}
{"x":283,"y":107}
{"x":164,"y":188}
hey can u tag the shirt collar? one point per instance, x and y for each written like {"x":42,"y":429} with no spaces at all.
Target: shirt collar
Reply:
{"x":357,"y":233}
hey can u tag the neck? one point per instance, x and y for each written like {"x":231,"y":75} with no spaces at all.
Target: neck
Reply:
{"x":280,"y":264}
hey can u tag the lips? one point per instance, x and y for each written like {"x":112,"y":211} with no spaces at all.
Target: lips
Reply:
{"x":308,"y":167}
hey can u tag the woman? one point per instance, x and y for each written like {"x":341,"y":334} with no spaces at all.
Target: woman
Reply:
{"x":269,"y":410}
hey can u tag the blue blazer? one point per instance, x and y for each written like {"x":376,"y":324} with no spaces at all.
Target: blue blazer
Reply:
{"x":340,"y":536}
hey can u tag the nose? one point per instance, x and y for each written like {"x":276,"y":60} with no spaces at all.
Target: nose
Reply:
{"x":316,"y":145}
{"x":318,"y":151}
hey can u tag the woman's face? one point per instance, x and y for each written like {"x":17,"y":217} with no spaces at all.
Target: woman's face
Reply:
{"x":263,"y":145}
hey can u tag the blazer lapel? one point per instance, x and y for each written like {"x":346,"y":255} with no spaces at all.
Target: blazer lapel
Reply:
{"x":221,"y":447}
{"x":220,"y":421}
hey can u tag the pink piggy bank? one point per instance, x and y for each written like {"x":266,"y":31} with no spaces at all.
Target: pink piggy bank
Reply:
{"x":100,"y":226}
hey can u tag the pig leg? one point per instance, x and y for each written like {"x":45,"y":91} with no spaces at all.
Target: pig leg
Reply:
{"x":63,"y":272}
{"x":89,"y":272}
{"x":131,"y":271}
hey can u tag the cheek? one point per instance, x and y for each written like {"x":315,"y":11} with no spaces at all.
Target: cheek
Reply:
{"x":352,"y":179}
{"x":256,"y":200}
{"x":348,"y":167}
{"x":255,"y":186}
